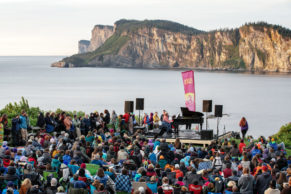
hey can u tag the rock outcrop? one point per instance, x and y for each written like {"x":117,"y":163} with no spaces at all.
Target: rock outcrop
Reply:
{"x":83,"y":46}
{"x":254,"y":47}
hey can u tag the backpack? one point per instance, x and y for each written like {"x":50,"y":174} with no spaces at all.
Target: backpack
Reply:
{"x":219,"y":186}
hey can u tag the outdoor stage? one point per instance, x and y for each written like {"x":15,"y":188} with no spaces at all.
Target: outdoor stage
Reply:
{"x":187,"y":136}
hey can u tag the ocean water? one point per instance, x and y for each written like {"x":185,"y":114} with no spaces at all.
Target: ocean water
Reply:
{"x":265,"y":100}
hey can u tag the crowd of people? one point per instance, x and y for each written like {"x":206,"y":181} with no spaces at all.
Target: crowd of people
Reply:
{"x":101,"y":153}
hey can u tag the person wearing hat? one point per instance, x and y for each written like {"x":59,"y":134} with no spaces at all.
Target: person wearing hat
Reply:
{"x":179,"y":173}
{"x":52,"y":189}
{"x":87,"y":173}
{"x":162,"y":162}
{"x":60,"y":190}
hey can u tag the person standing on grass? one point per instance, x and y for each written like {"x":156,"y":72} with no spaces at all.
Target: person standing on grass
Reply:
{"x":243,"y":126}
{"x":23,"y":125}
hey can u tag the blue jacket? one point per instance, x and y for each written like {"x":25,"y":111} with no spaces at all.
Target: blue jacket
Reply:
{"x":15,"y":124}
{"x":14,"y":191}
{"x":274,"y":145}
{"x":23,"y":122}
{"x":153,"y":187}
{"x":255,"y":152}
{"x":102,"y":180}
{"x":67,"y":159}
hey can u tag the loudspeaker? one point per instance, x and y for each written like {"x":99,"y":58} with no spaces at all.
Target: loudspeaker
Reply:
{"x":218,"y":111}
{"x":207,"y":135}
{"x":139,"y":104}
{"x":128,"y":106}
{"x":207,"y":105}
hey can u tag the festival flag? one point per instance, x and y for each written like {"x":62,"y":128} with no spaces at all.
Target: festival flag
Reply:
{"x":188,"y":81}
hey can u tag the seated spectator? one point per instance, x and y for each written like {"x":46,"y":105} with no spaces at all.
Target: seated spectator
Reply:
{"x":123,"y":182}
{"x":195,"y":187}
{"x":179,"y":173}
{"x":167,"y":189}
{"x":272,"y":188}
{"x":227,"y":172}
{"x":153,"y":185}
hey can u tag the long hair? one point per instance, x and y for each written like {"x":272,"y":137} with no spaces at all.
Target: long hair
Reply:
{"x":26,"y":183}
{"x":242,"y":122}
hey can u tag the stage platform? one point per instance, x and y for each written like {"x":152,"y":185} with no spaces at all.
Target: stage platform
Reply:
{"x":187,"y":136}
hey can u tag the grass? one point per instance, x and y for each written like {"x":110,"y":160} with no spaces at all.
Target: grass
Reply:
{"x":111,"y":46}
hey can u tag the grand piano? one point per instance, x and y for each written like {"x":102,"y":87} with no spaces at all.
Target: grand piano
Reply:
{"x":188,"y":117}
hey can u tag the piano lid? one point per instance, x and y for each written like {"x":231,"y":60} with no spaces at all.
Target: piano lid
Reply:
{"x":187,"y":113}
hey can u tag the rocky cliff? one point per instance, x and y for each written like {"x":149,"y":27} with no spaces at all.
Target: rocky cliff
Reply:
{"x":256,"y":47}
{"x":100,"y":34}
{"x":83,"y":46}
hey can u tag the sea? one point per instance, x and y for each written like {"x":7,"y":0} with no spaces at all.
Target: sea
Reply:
{"x":264,"y":99}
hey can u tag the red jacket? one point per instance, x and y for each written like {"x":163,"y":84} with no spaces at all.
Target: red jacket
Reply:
{"x":197,"y":189}
{"x":241,"y":147}
{"x":179,"y":173}
{"x":126,"y":117}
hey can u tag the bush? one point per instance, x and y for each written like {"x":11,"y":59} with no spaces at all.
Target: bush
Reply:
{"x":14,"y":109}
{"x":284,"y":135}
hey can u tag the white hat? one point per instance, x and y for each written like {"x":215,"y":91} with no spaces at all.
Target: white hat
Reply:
{"x":54,"y":182}
{"x":141,"y":190}
{"x":231,"y":184}
{"x":177,"y":166}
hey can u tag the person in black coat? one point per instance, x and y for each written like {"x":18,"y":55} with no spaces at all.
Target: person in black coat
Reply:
{"x":15,"y":131}
{"x":40,"y":120}
{"x":263,"y":180}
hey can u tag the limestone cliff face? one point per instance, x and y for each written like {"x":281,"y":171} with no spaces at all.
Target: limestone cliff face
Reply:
{"x":259,"y":48}
{"x":100,"y":34}
{"x":83,"y":46}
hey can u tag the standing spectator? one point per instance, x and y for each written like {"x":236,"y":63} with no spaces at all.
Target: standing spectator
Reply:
{"x":40,"y":120}
{"x":156,"y":120}
{"x":263,"y":180}
{"x":49,"y":125}
{"x":77,"y":124}
{"x":23,"y":125}
{"x":246,"y":182}
{"x":241,"y":145}
{"x":15,"y":130}
{"x":244,"y":127}
{"x":4,"y":122}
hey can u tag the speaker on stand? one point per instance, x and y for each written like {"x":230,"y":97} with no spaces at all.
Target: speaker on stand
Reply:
{"x":128,"y":106}
{"x":139,"y":105}
{"x":207,"y":107}
{"x":218,"y":114}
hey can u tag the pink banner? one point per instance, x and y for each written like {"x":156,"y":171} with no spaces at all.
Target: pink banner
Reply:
{"x":188,"y":81}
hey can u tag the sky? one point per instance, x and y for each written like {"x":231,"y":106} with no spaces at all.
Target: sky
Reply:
{"x":54,"y":27}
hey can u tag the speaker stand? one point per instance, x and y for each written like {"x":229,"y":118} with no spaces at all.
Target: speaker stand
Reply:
{"x":139,"y":118}
{"x":217,"y":130}
{"x":206,"y":120}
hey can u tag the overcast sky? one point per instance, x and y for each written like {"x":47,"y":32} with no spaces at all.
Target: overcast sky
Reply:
{"x":53,"y":27}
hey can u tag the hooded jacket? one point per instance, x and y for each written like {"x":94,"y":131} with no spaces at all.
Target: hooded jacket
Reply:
{"x":246,"y":184}
{"x":263,"y":181}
